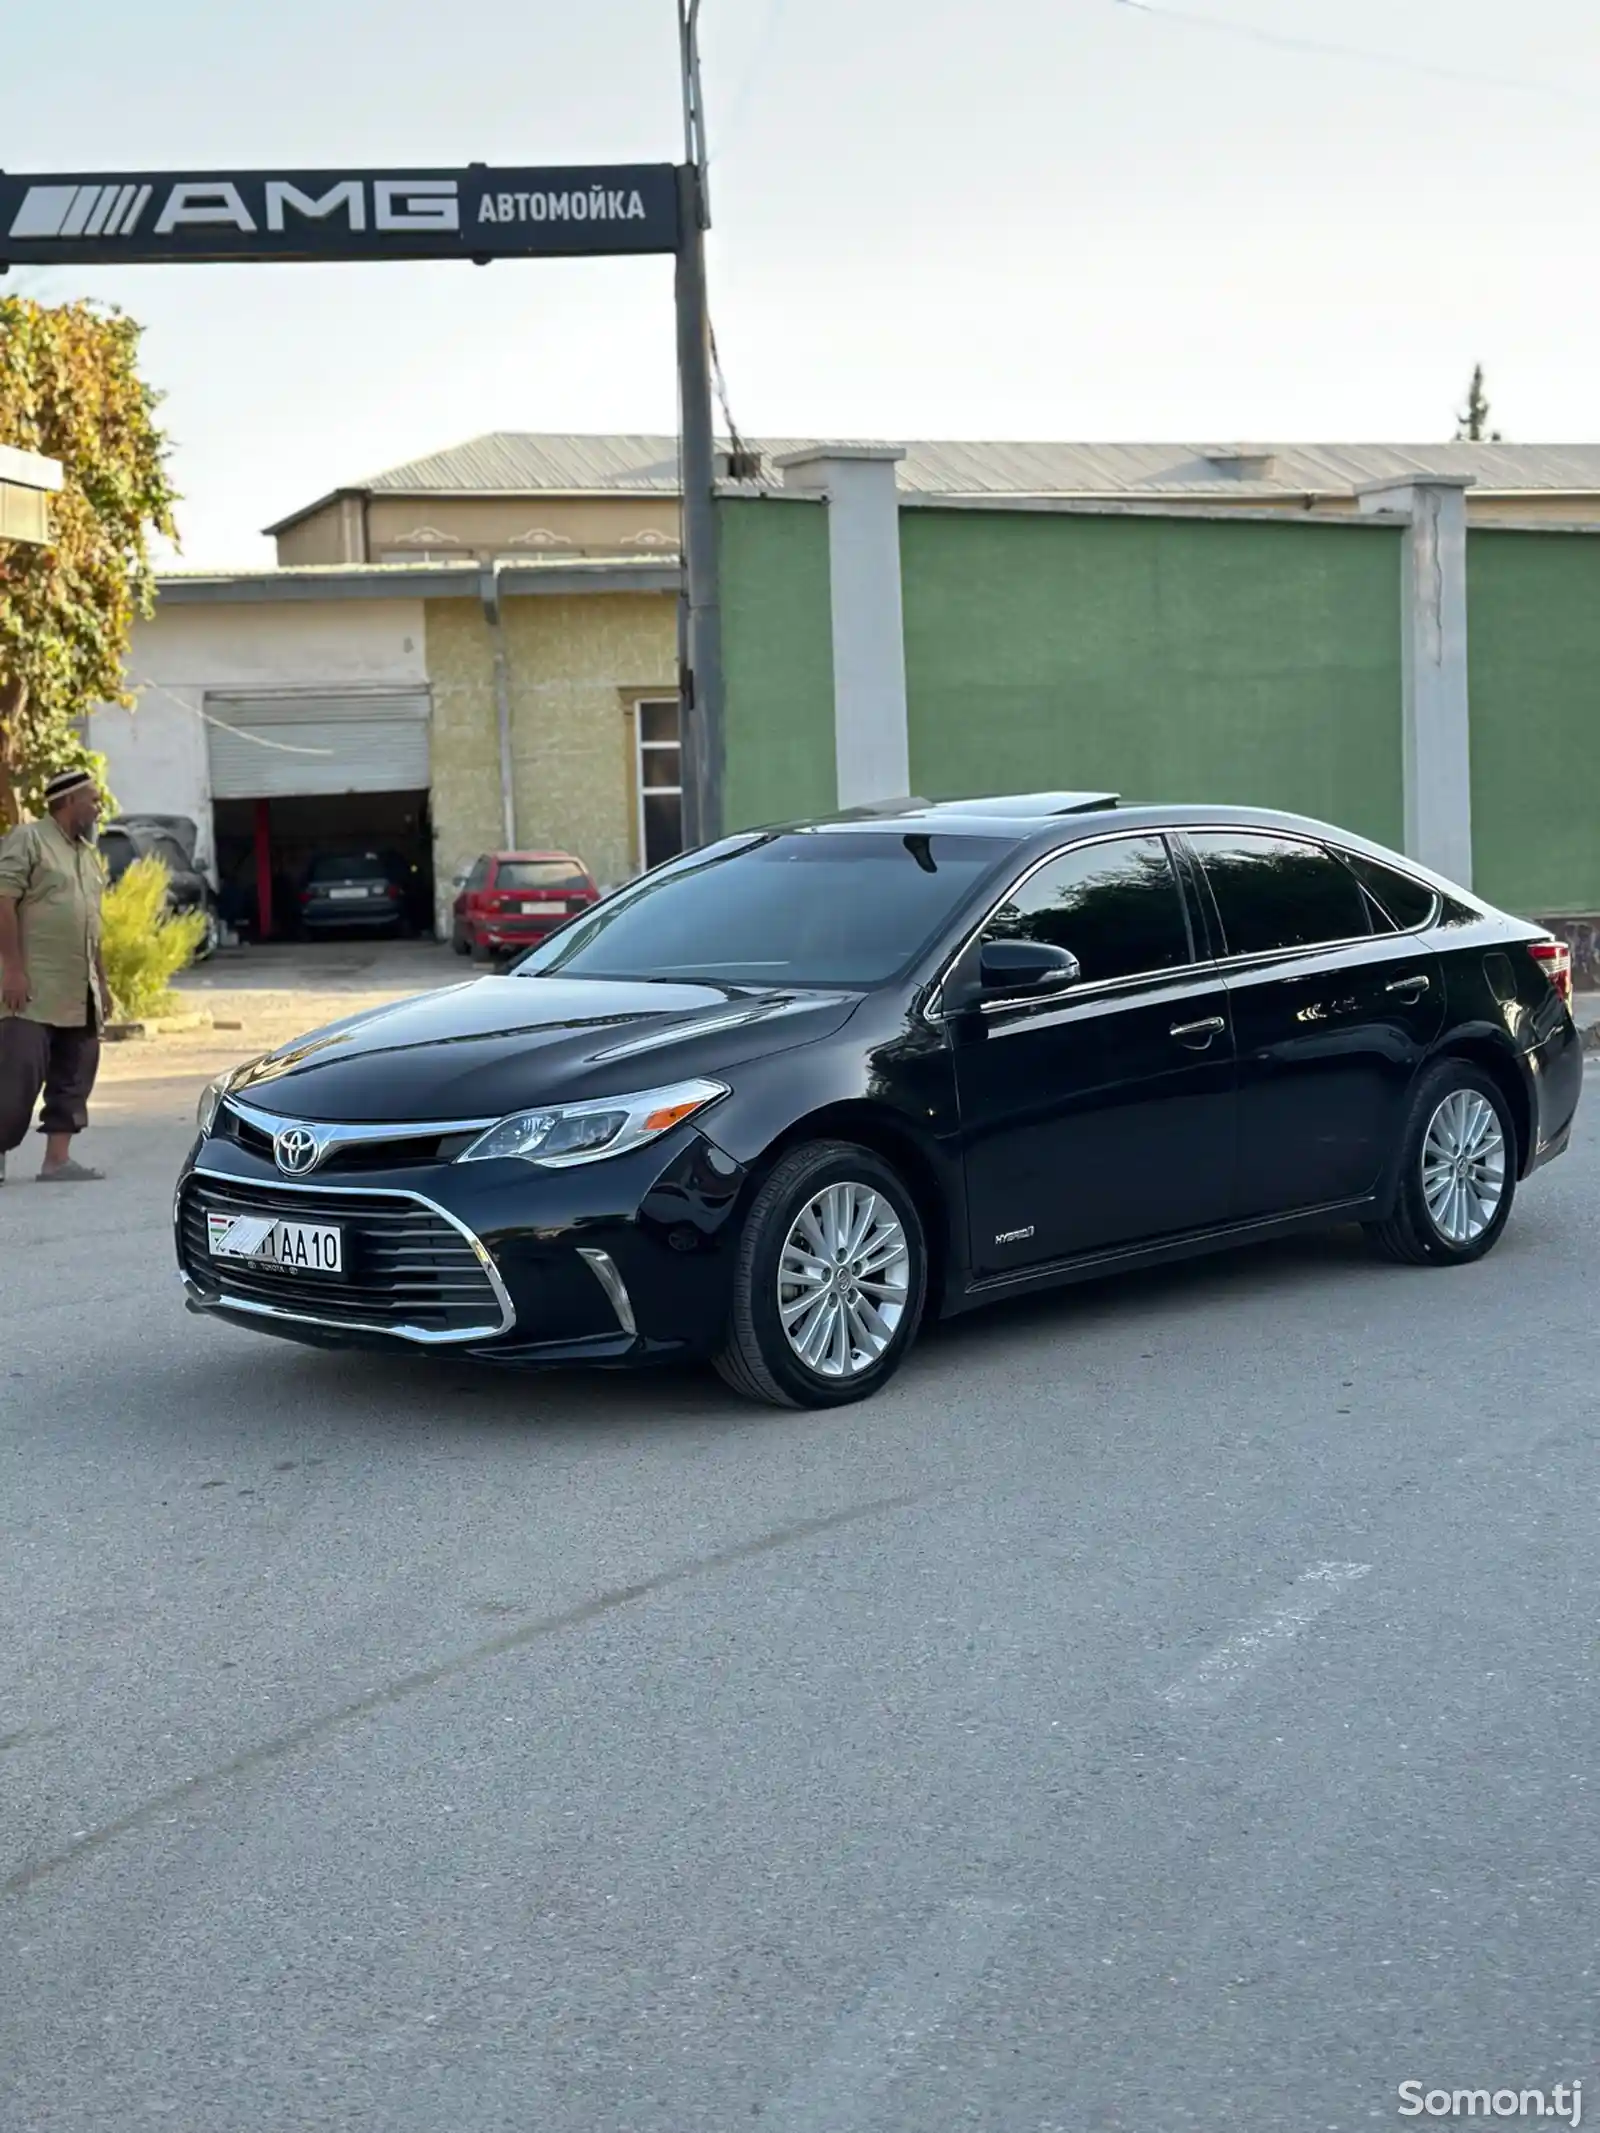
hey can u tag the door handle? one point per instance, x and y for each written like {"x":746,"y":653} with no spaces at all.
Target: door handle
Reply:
{"x":1415,"y":986}
{"x":1206,"y":1029}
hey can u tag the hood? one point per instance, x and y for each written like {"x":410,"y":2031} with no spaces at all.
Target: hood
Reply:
{"x":505,"y":1044}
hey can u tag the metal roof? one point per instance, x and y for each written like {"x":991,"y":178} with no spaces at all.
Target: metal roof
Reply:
{"x":513,"y":462}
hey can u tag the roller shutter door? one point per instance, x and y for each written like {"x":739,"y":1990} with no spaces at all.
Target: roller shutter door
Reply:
{"x":287,"y":747}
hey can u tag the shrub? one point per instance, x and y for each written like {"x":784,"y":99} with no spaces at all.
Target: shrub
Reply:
{"x":145,"y":945}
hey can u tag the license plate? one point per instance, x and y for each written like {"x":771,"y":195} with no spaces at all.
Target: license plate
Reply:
{"x":544,"y":910}
{"x":348,"y":896}
{"x":297,"y":1247}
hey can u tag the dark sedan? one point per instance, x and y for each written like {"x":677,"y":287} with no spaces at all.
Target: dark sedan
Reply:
{"x":782,"y":1099}
{"x":356,"y":891}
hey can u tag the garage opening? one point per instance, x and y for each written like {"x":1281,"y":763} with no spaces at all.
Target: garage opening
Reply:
{"x":300,"y":781}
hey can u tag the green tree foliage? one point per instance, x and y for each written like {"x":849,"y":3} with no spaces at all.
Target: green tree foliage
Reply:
{"x":142,"y":943}
{"x":70,"y":388}
{"x":1472,"y":424}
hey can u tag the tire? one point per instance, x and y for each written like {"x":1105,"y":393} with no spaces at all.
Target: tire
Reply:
{"x":759,"y":1359}
{"x":1449,"y":1104}
{"x":460,"y":944}
{"x":208,"y":940}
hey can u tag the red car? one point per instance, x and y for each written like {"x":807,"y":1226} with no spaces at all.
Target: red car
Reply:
{"x":512,"y":899}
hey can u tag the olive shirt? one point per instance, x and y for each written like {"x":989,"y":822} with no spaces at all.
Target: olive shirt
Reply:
{"x":56,"y":885}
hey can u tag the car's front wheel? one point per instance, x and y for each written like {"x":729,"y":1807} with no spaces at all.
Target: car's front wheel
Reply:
{"x":830,"y":1281}
{"x":1458,"y":1170}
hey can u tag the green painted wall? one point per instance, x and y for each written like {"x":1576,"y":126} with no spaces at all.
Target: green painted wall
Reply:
{"x":777,"y":649}
{"x":1161,"y":658}
{"x":1533,"y":668}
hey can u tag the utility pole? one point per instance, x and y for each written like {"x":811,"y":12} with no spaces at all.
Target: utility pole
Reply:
{"x":700,"y":691}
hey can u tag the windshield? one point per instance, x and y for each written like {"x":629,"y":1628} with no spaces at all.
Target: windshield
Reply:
{"x":540,"y":874}
{"x":810,"y":907}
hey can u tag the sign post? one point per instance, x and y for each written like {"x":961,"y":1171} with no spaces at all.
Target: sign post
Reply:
{"x":479,"y":213}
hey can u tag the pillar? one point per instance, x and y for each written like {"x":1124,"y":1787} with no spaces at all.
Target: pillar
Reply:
{"x":1436,"y":741}
{"x":872,"y":757}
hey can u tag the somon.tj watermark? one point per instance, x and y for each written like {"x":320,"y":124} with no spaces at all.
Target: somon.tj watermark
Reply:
{"x":1563,"y":2102}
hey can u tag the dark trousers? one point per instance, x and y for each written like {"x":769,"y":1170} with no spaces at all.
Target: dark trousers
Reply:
{"x":37,"y":1056}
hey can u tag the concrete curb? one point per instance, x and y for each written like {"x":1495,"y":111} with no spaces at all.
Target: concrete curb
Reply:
{"x":154,"y":1026}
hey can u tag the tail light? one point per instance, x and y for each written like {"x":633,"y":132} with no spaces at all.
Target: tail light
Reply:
{"x":392,"y":891}
{"x":1554,"y":958}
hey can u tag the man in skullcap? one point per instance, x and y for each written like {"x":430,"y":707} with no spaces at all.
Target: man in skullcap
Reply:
{"x":53,"y":993}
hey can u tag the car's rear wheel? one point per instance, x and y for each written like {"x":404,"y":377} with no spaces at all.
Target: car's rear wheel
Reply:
{"x":460,"y":943}
{"x":1458,"y":1170}
{"x":830,"y":1281}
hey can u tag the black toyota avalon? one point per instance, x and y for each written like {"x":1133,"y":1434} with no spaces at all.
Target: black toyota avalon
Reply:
{"x":780,"y":1101}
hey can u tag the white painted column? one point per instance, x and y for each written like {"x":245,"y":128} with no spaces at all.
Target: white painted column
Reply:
{"x":1436,"y":725}
{"x":871,"y":751}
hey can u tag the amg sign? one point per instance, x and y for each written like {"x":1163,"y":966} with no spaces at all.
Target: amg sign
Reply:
{"x":131,"y":217}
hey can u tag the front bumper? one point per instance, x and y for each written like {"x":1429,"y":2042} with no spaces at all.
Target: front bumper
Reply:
{"x":626,"y":1260}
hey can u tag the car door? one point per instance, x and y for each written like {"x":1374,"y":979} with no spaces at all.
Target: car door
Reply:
{"x":1333,"y":1008}
{"x":1103,"y":1114}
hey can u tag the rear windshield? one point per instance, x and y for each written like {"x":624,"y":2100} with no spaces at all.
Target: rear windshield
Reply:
{"x":540,"y":874}
{"x":349,"y":866}
{"x":798,"y":908}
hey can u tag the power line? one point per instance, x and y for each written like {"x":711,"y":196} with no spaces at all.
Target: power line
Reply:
{"x":740,"y":101}
{"x":1362,"y":54}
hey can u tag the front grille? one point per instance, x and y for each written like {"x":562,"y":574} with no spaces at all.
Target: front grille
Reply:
{"x":406,"y":1269}
{"x":352,"y":1155}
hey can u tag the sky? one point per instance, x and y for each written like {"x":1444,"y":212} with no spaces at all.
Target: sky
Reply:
{"x":1252,"y":220}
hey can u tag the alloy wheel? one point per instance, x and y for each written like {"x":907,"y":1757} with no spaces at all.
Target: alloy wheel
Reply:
{"x":1463,"y":1166}
{"x":844,"y":1277}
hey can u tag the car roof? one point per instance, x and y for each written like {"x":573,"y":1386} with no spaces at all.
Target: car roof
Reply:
{"x":570,"y":858}
{"x":1040,"y":822}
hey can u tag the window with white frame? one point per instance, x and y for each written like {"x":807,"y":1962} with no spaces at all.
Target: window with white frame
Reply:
{"x":660,"y":779}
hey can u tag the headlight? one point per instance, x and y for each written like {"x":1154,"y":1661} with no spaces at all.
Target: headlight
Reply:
{"x":562,"y":1134}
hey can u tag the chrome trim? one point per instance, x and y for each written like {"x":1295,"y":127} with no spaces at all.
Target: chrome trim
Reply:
{"x":334,"y":1137}
{"x":934,"y":1011}
{"x":604,"y":1268}
{"x":1210,"y":1027}
{"x":422,"y":1336}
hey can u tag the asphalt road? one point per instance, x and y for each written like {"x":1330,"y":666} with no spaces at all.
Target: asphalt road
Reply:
{"x":1171,"y":1706}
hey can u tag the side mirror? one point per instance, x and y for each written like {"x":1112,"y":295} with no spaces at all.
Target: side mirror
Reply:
{"x":1014,"y":969}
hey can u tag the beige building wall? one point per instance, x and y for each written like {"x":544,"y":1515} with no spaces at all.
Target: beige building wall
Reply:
{"x":485,"y":526}
{"x":323,"y":538}
{"x":577,"y":665}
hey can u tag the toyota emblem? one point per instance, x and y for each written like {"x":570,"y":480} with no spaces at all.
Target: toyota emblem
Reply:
{"x":296,"y":1149}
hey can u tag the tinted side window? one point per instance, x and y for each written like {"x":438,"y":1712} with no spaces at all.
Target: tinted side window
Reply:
{"x":1116,"y":906}
{"x":1275,"y":892}
{"x":479,"y":874}
{"x":171,"y":855}
{"x":1409,"y":903}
